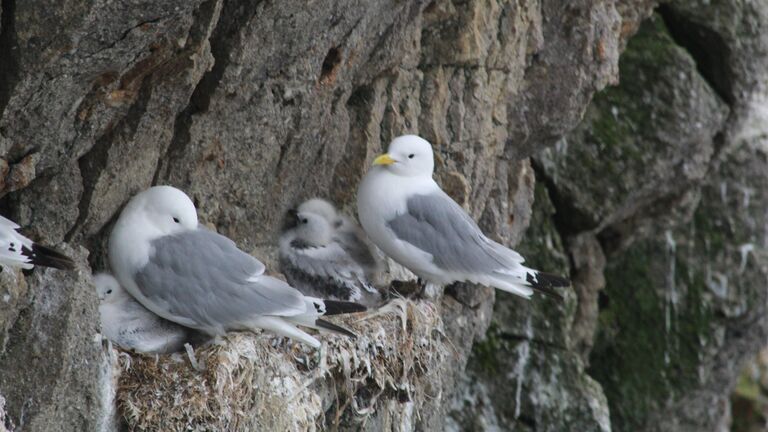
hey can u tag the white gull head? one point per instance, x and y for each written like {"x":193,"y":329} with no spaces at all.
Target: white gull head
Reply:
{"x":321,"y":207}
{"x":156,"y":212}
{"x":313,"y":229}
{"x":408,"y":156}
{"x":108,"y":288}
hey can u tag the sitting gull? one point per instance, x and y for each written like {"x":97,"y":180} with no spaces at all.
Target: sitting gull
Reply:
{"x":407,"y":215}
{"x":200,"y":279}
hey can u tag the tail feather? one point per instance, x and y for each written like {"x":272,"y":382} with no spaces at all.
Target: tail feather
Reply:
{"x":47,"y":257}
{"x":329,"y":326}
{"x":546,"y":282}
{"x":511,"y":285}
{"x":284,"y":327}
{"x":335,"y":307}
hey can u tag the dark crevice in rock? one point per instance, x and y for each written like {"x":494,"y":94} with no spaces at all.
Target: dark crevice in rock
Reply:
{"x":234,"y":16}
{"x":568,"y":219}
{"x":528,"y":421}
{"x":665,"y":211}
{"x":711,"y":53}
{"x":9,"y":63}
{"x":129,"y":30}
{"x":94,"y":162}
{"x":330,"y":66}
{"x":719,"y":143}
{"x":603,"y":301}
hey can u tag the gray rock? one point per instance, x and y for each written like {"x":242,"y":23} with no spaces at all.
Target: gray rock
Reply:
{"x":52,"y":353}
{"x":697,"y":294}
{"x":661,"y":179}
{"x":254,"y":106}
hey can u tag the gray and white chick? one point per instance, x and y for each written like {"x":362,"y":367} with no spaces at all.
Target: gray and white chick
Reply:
{"x":128,"y":324}
{"x":315,"y":261}
{"x":349,"y":235}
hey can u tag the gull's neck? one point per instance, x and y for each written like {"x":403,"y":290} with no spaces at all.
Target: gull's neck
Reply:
{"x":130,"y":244}
{"x":385,"y":193}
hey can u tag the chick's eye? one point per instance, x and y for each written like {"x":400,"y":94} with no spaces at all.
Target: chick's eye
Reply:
{"x":304,"y":221}
{"x":410,"y":156}
{"x":109,"y":291}
{"x":176,"y":220}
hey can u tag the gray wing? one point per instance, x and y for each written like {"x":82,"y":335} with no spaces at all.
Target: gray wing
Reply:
{"x":436,"y":224}
{"x":358,"y":249}
{"x":202,"y":277}
{"x":329,"y":271}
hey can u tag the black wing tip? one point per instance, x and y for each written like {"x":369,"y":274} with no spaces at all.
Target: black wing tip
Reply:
{"x":546,"y":282}
{"x":336,"y":307}
{"x":327,"y":325}
{"x":45,"y":256}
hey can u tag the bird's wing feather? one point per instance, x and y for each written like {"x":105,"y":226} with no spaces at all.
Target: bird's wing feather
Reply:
{"x":329,"y":260}
{"x":359,"y":250}
{"x":329,"y":270}
{"x":12,"y":256}
{"x":202,"y":277}
{"x":7,"y":223}
{"x":436,"y":224}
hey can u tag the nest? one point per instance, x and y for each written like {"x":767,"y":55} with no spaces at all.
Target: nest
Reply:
{"x":260,"y":382}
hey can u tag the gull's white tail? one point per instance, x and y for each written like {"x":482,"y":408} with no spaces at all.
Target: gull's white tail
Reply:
{"x":286,"y":326}
{"x":525,"y":281}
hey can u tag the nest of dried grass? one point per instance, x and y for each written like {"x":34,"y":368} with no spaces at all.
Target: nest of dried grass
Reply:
{"x":260,"y":382}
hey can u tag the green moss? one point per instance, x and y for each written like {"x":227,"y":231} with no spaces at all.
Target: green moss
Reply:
{"x":640,"y":363}
{"x":487,"y":354}
{"x":747,"y":388}
{"x":542,"y":246}
{"x":611,"y":152}
{"x":638,"y":359}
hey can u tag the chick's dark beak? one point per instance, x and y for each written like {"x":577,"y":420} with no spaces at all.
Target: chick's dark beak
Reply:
{"x":291,"y":219}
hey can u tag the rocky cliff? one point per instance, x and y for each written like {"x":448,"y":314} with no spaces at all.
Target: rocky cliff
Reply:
{"x":618,"y":141}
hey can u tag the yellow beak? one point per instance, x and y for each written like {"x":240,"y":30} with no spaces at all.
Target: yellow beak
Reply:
{"x":384,"y":159}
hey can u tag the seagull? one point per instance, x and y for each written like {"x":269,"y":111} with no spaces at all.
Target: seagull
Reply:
{"x":127,"y":323}
{"x":348,"y":234}
{"x":197,"y":278}
{"x":407,"y":215}
{"x":314,"y":261}
{"x":20,"y":252}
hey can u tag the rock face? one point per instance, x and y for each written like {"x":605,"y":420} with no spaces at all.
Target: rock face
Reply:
{"x":650,"y":197}
{"x":653,"y":203}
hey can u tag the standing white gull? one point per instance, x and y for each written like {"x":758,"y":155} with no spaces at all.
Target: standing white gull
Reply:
{"x":407,"y":215}
{"x":127,"y":323}
{"x":348,"y":234}
{"x":315,"y":262}
{"x":17,"y":250}
{"x":200,"y":279}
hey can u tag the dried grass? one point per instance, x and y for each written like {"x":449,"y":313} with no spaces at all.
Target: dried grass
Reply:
{"x":260,"y":382}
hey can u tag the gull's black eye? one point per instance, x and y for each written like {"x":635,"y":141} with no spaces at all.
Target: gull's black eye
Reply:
{"x":304,"y":221}
{"x":176,"y":220}
{"x":410,"y":156}
{"x":12,"y":245}
{"x":109,"y":291}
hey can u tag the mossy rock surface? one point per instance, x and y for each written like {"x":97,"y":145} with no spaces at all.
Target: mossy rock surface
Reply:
{"x":676,"y":301}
